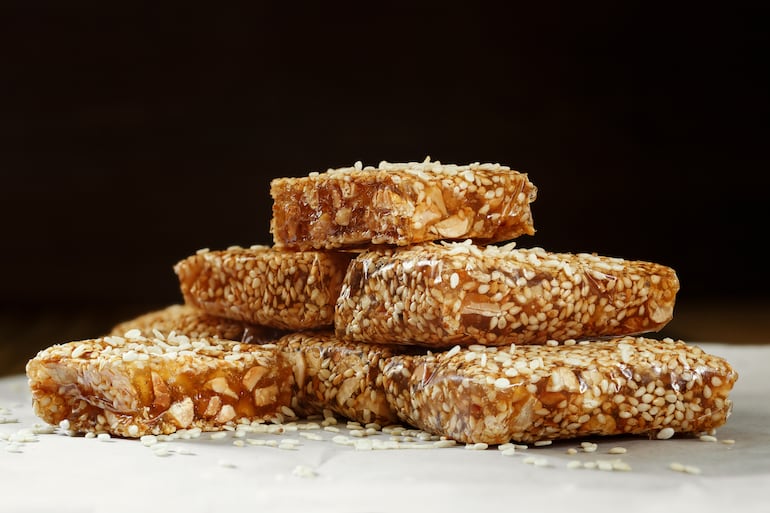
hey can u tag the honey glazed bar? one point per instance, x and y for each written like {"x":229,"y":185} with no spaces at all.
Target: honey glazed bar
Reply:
{"x":339,"y":376}
{"x":401,"y":204}
{"x":288,"y":290}
{"x":189,"y":321}
{"x":439,"y":295}
{"x":529,"y":393}
{"x":132,"y":385}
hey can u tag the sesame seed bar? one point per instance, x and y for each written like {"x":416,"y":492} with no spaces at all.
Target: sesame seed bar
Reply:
{"x":401,"y":204}
{"x":442,"y":294}
{"x":133,"y":386}
{"x":626,"y":385}
{"x":266,"y":286}
{"x":332,"y":374}
{"x":188,"y":320}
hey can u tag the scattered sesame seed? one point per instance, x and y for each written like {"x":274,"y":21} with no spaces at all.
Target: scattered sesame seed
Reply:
{"x":161,"y":451}
{"x":304,"y":471}
{"x":148,"y":440}
{"x":687,"y":469}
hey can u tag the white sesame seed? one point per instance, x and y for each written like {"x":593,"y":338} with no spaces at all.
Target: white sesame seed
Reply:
{"x":161,"y":451}
{"x":133,"y":334}
{"x":708,"y":438}
{"x":304,"y":471}
{"x":604,"y":465}
{"x":502,"y":382}
{"x":665,"y":433}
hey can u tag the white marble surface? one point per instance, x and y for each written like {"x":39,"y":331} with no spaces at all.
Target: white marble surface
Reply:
{"x":51,"y":471}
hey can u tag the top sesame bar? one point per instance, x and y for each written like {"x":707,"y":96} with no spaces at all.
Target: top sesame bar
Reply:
{"x":401,"y":204}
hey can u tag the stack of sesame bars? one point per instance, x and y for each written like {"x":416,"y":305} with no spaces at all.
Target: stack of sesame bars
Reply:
{"x":397,"y":293}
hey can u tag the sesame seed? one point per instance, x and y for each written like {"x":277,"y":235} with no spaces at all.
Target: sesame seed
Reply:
{"x":304,"y":471}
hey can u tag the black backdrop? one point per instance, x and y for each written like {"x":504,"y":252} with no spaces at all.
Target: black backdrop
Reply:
{"x":130,"y":137}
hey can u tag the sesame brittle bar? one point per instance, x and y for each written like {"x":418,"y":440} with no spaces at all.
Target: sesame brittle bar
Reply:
{"x":133,"y":386}
{"x":188,"y":320}
{"x":400,"y":204}
{"x":339,"y":376}
{"x":266,"y":286}
{"x":442,"y":294}
{"x":631,"y":386}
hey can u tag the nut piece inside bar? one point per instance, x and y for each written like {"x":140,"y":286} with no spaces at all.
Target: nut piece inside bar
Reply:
{"x":132,"y":386}
{"x":288,"y":290}
{"x":401,"y":204}
{"x":527,"y":393}
{"x":442,"y":294}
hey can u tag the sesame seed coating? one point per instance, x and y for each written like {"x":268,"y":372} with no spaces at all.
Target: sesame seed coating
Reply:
{"x":625,"y":385}
{"x":442,"y":294}
{"x":343,"y":377}
{"x":265,"y":286}
{"x":401,"y":204}
{"x":137,"y":386}
{"x":188,"y":320}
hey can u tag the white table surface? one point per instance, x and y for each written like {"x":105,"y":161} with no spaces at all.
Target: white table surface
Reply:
{"x":50,"y":471}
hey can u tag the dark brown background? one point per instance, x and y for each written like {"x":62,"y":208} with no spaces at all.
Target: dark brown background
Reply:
{"x":130,"y":137}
